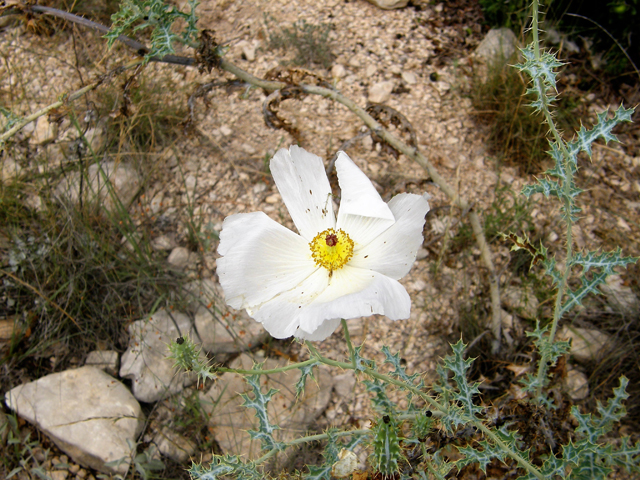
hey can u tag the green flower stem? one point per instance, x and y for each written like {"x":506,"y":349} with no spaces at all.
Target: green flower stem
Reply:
{"x":347,"y":337}
{"x":292,"y":366}
{"x":542,"y":364}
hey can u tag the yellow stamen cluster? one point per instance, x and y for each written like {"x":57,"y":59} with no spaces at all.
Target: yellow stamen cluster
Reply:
{"x":331,"y":249}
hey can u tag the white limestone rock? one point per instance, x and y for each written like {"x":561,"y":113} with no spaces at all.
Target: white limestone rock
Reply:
{"x":586,"y":344}
{"x":381,"y":92}
{"x":179,"y":257}
{"x":497,"y":46}
{"x":106,"y":360}
{"x":88,"y":414}
{"x":146,"y":360}
{"x":173,"y":445}
{"x":576,"y":384}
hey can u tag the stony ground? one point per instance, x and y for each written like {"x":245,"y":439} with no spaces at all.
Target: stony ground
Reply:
{"x":219,"y":166}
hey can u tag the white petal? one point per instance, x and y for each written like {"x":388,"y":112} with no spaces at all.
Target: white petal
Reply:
{"x":349,"y":293}
{"x":393,"y":252}
{"x":323,"y":331}
{"x":305,"y":190}
{"x":280,"y":316}
{"x":260,"y":259}
{"x":363,"y":214}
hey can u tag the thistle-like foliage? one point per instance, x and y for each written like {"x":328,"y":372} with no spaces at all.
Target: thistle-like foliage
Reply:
{"x":400,"y":372}
{"x":380,"y":400}
{"x":386,"y":446}
{"x":259,"y":404}
{"x":460,"y":400}
{"x":187,"y":357}
{"x":136,"y":15}
{"x":487,"y":451}
{"x":10,"y":119}
{"x":226,"y":466}
{"x":330,"y":454}
{"x":305,"y":371}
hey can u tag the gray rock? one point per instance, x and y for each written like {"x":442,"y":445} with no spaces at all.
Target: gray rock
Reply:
{"x":88,"y":414}
{"x":389,"y":4}
{"x":123,"y":178}
{"x":344,"y":384}
{"x":163,"y":242}
{"x":521,"y":301}
{"x":577,"y":385}
{"x":9,"y":169}
{"x":409,"y":77}
{"x":173,"y":445}
{"x":106,"y":360}
{"x":221,"y":330}
{"x":586,"y":344}
{"x":380,"y":92}
{"x":146,"y":360}
{"x":45,"y":131}
{"x":230,"y":420}
{"x":497,"y":46}
{"x":179,"y":257}
{"x":620,"y":296}
{"x":338,"y":71}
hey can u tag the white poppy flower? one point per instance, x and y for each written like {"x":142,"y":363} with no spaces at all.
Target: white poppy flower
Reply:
{"x":303,"y":284}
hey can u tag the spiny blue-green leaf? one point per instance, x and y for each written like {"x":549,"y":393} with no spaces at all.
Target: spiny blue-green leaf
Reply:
{"x":440,"y":464}
{"x":490,"y":451}
{"x":602,"y":129}
{"x":162,"y":40}
{"x":323,"y":472}
{"x":386,"y":446}
{"x":551,"y":468}
{"x":135,"y":15}
{"x":190,"y":32}
{"x":544,"y":186}
{"x":614,"y":410}
{"x":305,"y":371}
{"x":459,"y":366}
{"x":380,"y":401}
{"x":259,"y":404}
{"x":399,"y":370}
{"x":222,"y":465}
{"x":362,"y":363}
{"x":482,"y":457}
{"x":586,"y":425}
{"x":531,"y":383}
{"x":543,"y":69}
{"x":605,"y":260}
{"x":574,"y":298}
{"x":574,"y":452}
{"x":551,"y":350}
{"x":570,"y":212}
{"x":11,"y":119}
{"x":626,"y":455}
{"x":587,"y":462}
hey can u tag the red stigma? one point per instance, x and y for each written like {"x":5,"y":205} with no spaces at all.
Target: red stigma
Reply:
{"x":331,"y":240}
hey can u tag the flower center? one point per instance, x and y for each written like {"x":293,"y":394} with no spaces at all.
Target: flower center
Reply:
{"x":331,"y":249}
